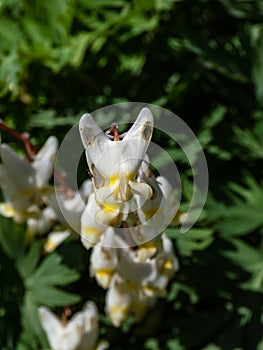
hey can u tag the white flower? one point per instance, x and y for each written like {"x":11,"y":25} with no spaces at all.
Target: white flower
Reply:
{"x":68,"y":213}
{"x":163,"y":205}
{"x":114,"y":164}
{"x":54,"y":239}
{"x":163,"y":268}
{"x":91,"y":229}
{"x":42,"y":223}
{"x":152,"y":275}
{"x":104,"y":259}
{"x":23,"y":182}
{"x":69,"y":210}
{"x":80,"y":333}
{"x":125,"y":299}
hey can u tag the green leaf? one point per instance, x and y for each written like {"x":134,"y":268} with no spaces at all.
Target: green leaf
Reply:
{"x":244,"y":215}
{"x":32,"y":335}
{"x":194,"y":239}
{"x":251,"y":260}
{"x":44,"y":281}
{"x":51,"y":296}
{"x":28,"y":263}
{"x":12,"y":237}
{"x":215,"y":117}
{"x":152,"y":344}
{"x":52,"y":272}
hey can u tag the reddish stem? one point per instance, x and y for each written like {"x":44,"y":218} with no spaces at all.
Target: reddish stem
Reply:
{"x":114,"y":130}
{"x":65,"y":315}
{"x":30,"y":149}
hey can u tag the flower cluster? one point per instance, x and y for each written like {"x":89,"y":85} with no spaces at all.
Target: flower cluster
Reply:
{"x":29,"y":197}
{"x":123,"y":220}
{"x":121,"y":213}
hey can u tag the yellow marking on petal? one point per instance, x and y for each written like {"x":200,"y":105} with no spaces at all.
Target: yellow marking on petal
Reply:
{"x":153,"y":291}
{"x":104,"y":271}
{"x":111,"y":207}
{"x":91,"y":231}
{"x":168,"y":265}
{"x":104,"y":277}
{"x":147,"y":250}
{"x":120,"y":186}
{"x":50,"y":246}
{"x":146,"y":253}
{"x":6,"y":210}
{"x":118,"y":309}
{"x":150,"y":289}
{"x":113,"y":179}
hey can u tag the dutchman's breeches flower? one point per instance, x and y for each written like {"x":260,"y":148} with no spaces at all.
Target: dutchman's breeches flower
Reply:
{"x":24,"y":183}
{"x":114,"y":164}
{"x":79,"y":333}
{"x":127,"y":195}
{"x":125,"y":299}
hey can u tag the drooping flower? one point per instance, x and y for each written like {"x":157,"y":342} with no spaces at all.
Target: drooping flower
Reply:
{"x":114,"y":164}
{"x":152,"y":275}
{"x":41,"y":224}
{"x":163,"y":205}
{"x":24,"y":183}
{"x":91,"y":229}
{"x":125,"y":299}
{"x":68,"y":213}
{"x":133,"y":283}
{"x":70,"y":209}
{"x":79,"y":333}
{"x":104,"y":258}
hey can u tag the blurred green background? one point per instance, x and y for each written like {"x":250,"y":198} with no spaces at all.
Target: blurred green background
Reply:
{"x":203,"y":60}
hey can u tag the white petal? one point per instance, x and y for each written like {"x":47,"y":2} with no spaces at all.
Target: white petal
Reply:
{"x":16,"y":165}
{"x":51,"y":326}
{"x":169,"y":255}
{"x":93,"y":139}
{"x":136,"y":142}
{"x":72,"y":333}
{"x":142,"y":127}
{"x":17,"y":178}
{"x":133,"y":271}
{"x":41,"y":224}
{"x":142,"y":189}
{"x":124,"y":299}
{"x":86,"y":189}
{"x":109,"y":216}
{"x":54,"y":239}
{"x":103,"y":260}
{"x":117,"y":302}
{"x":164,"y":266}
{"x":90,"y":336}
{"x":7,"y":210}
{"x":17,"y":198}
{"x":91,"y":229}
{"x":68,"y":210}
{"x":43,"y":163}
{"x":102,"y":345}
